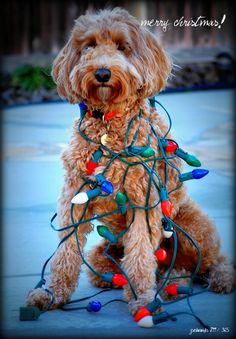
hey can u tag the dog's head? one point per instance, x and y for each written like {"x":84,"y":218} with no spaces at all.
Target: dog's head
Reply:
{"x":109,"y":58}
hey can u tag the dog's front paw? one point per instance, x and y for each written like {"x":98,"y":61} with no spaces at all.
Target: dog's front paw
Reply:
{"x":40,"y":298}
{"x":143,"y":299}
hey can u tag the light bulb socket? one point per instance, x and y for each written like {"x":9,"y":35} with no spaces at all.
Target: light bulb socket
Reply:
{"x":93,"y":193}
{"x":100,"y":178}
{"x":181,"y":153}
{"x":154,"y":305}
{"x":186,"y":176}
{"x":163,"y":194}
{"x":167,"y":225}
{"x":137,"y":150}
{"x":164,"y":142}
{"x":184,"y":290}
{"x":97,"y":155}
{"x":107,"y":276}
{"x":104,"y":232}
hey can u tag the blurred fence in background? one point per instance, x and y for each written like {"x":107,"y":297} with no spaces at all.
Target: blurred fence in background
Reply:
{"x":43,"y":26}
{"x":34,"y":31}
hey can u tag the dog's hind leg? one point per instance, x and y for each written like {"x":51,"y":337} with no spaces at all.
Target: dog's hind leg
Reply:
{"x":103,"y":264}
{"x":214,"y":266}
{"x":66,"y":262}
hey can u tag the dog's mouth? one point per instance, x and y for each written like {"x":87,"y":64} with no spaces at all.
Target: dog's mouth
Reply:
{"x":105,"y":93}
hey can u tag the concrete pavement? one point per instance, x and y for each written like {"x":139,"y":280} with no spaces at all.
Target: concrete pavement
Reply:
{"x":33,"y":138}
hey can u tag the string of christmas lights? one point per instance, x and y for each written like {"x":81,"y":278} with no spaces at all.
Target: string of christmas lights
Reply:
{"x":145,"y":155}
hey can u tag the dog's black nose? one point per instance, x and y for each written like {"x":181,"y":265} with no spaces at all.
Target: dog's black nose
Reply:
{"x":102,"y":74}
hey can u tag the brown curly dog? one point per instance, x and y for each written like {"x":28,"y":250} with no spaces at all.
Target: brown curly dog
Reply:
{"x":113,"y":64}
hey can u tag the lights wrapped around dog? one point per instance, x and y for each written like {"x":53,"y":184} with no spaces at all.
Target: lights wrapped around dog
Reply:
{"x":116,"y":279}
{"x":188,"y":158}
{"x":175,"y":289}
{"x":149,"y":152}
{"x":83,"y":108}
{"x":144,"y":151}
{"x":167,"y":229}
{"x":93,"y":163}
{"x":120,"y":199}
{"x":172,"y":146}
{"x":83,"y":197}
{"x":109,"y":115}
{"x":147,"y":310}
{"x":104,"y":232}
{"x":90,"y":166}
{"x":169,"y":145}
{"x":166,"y":205}
{"x":150,"y":321}
{"x":160,"y":254}
{"x":195,"y":174}
{"x":106,"y":185}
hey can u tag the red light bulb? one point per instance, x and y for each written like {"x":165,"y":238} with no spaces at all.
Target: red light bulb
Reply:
{"x":161,"y":254}
{"x":90,"y":166}
{"x":166,"y":207}
{"x":172,"y":289}
{"x":108,"y":116}
{"x":171,"y":146}
{"x":141,"y":313}
{"x":119,"y":279}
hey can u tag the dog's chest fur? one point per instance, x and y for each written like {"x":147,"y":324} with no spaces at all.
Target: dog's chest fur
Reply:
{"x":137,"y":178}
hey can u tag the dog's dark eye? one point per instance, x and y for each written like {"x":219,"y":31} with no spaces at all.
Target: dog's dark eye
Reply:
{"x":90,"y":45}
{"x":125,"y":48}
{"x":121,"y":48}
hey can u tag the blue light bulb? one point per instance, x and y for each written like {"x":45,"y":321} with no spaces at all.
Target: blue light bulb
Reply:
{"x":199,"y":173}
{"x":94,"y":306}
{"x":107,"y":187}
{"x":83,"y":106}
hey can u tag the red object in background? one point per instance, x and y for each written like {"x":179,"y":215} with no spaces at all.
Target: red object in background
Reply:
{"x":141,"y":313}
{"x":90,"y":113}
{"x":160,"y":254}
{"x":119,"y":279}
{"x":171,"y":146}
{"x":90,"y":166}
{"x":108,"y":116}
{"x":172,"y":289}
{"x":166,"y":207}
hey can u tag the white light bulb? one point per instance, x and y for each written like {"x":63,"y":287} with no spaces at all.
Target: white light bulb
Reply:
{"x":167,"y":234}
{"x":80,"y":198}
{"x":104,"y":139}
{"x":146,"y":322}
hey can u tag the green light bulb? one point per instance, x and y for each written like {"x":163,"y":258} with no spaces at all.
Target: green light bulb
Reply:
{"x":189,"y":158}
{"x":104,"y":232}
{"x":149,"y":152}
{"x":192,"y":160}
{"x":120,"y":199}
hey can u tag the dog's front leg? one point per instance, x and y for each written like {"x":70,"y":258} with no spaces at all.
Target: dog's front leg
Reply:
{"x":139,"y":262}
{"x":66,"y":262}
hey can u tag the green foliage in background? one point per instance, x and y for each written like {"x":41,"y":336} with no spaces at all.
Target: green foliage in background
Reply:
{"x":31,"y":78}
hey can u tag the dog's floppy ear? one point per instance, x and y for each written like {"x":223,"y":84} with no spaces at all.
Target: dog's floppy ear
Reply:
{"x":61,"y":69}
{"x":157,"y":66}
